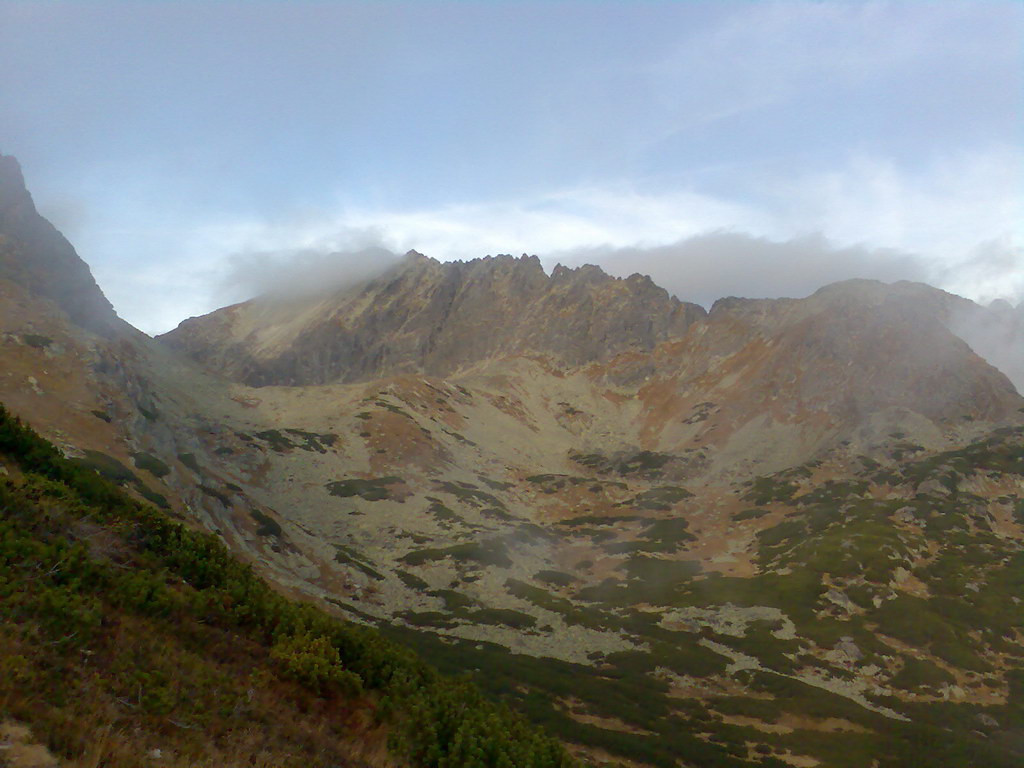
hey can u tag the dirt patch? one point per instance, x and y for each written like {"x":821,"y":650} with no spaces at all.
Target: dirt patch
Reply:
{"x":18,"y":748}
{"x":573,"y":707}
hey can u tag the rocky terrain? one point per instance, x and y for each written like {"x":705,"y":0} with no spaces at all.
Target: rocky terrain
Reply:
{"x":782,"y":530}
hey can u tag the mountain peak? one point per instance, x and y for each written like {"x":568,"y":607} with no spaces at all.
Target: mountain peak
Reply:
{"x":34,"y":255}
{"x":15,"y":201}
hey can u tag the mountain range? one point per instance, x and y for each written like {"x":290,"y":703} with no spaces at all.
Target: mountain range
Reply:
{"x":785,"y":530}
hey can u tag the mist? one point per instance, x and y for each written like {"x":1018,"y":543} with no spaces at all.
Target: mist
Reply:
{"x":996,"y":333}
{"x":711,"y":266}
{"x":301,"y":273}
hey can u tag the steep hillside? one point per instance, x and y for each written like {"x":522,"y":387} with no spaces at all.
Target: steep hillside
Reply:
{"x":128,"y":638}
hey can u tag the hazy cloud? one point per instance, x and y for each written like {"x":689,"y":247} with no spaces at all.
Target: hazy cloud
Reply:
{"x":709,"y":266}
{"x":302,"y":273}
{"x":996,"y":333}
{"x":993,"y":270}
{"x":954,"y":224}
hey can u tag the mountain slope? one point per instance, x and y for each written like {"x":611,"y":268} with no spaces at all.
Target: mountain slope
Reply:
{"x":119,"y":621}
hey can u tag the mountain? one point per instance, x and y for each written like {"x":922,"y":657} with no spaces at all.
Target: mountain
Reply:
{"x":36,"y":257}
{"x":732,"y":538}
{"x":426,"y":317}
{"x":827,"y":367}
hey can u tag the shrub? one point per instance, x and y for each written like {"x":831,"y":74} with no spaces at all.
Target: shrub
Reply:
{"x":315,"y":662}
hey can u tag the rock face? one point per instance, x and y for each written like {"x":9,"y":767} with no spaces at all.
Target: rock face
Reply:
{"x":37,"y":257}
{"x":436,"y":318}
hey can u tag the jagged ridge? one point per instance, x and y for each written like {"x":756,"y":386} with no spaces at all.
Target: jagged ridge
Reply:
{"x":436,"y":318}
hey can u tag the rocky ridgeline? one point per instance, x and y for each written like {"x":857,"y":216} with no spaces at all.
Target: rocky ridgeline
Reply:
{"x":436,"y":318}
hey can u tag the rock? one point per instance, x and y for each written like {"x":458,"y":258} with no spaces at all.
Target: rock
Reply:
{"x":900,"y":575}
{"x":840,"y":598}
{"x":848,"y":647}
{"x":905,"y":515}
{"x":933,"y":488}
{"x":987,"y":720}
{"x":953,"y":692}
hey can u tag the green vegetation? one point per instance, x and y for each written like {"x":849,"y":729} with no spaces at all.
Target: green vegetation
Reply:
{"x":163,"y":626}
{"x":470,"y":494}
{"x":505,"y":616}
{"x":393,"y":408}
{"x":453,"y":601}
{"x":486,"y":553}
{"x":36,"y":341}
{"x":108,"y":467}
{"x":348,"y":556}
{"x":412,"y":581}
{"x":116,"y":472}
{"x":661,"y":498}
{"x":599,"y":520}
{"x":826,"y":567}
{"x":370,"y":489}
{"x":149,"y":414}
{"x":268,"y":526}
{"x":920,"y":673}
{"x":765,"y":490}
{"x":213,"y":493}
{"x":151,"y":464}
{"x":644,"y":463}
{"x":308,"y":441}
{"x":189,"y":460}
{"x":445,"y":516}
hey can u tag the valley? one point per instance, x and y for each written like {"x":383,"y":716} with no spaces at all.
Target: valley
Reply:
{"x":778,"y":532}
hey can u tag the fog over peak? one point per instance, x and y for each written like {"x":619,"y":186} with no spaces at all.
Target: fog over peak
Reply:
{"x":300,"y":273}
{"x":714,"y":265}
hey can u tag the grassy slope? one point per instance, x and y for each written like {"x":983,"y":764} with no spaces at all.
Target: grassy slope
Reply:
{"x":848,"y":537}
{"x":123,"y":631}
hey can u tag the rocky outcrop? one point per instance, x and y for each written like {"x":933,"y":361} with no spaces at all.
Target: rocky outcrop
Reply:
{"x":38,"y":258}
{"x":436,"y":318}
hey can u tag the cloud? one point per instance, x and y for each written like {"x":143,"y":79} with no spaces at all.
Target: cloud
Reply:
{"x":993,"y":270}
{"x":301,"y":273}
{"x":709,"y":266}
{"x":556,"y":222}
{"x":956,"y":223}
{"x":997,"y":334}
{"x":944,"y":210}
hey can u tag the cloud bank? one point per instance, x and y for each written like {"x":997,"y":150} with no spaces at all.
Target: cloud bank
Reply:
{"x":957,"y":224}
{"x":288,"y":275}
{"x":708,"y":267}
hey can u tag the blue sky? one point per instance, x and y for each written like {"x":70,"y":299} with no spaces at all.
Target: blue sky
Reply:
{"x":197,"y":152}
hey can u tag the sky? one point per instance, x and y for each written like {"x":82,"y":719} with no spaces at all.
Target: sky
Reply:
{"x":197,"y":153}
